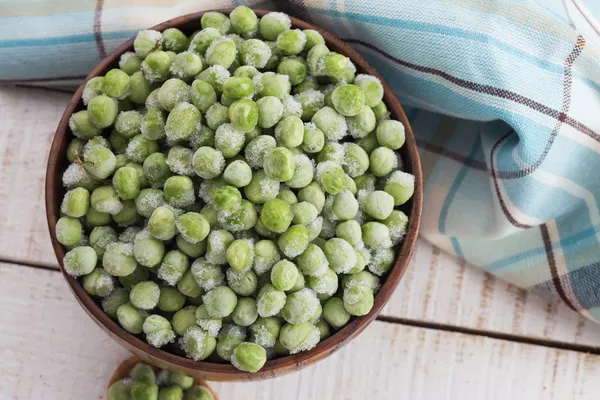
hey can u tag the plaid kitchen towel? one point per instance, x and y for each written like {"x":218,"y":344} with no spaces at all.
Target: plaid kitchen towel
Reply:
{"x":503,"y":96}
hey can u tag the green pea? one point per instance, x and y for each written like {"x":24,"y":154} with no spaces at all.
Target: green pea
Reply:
{"x":175,"y":40}
{"x":272,"y":84}
{"x":270,"y":301}
{"x":335,"y":313}
{"x":156,"y":66}
{"x":291,"y":42}
{"x":243,"y":114}
{"x":130,"y":318}
{"x":139,"y":88}
{"x":313,"y":38}
{"x":261,"y":188}
{"x":216,"y":20}
{"x":249,"y":357}
{"x":246,"y":312}
{"x":183,"y":319}
{"x":146,"y":42}
{"x":274,"y":23}
{"x":222,"y":51}
{"x":299,"y":337}
{"x":116,"y":84}
{"x":380,"y":111}
{"x":294,"y":68}
{"x":371,"y":87}
{"x":243,"y":21}
{"x":289,"y":132}
{"x":255,"y":53}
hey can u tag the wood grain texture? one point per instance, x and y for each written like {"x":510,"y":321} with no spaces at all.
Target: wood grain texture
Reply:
{"x":51,"y":350}
{"x":437,"y":287}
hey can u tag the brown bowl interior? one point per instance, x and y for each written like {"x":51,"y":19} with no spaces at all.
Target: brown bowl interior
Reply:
{"x":57,"y":163}
{"x":127,"y":365}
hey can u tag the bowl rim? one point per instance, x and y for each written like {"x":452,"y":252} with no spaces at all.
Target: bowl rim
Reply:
{"x":227,"y":372}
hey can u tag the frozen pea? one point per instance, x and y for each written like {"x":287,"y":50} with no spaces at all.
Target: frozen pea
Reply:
{"x":288,"y":196}
{"x":75,"y":150}
{"x":179,"y":191}
{"x":294,"y":68}
{"x":237,"y":87}
{"x":348,"y":99}
{"x":179,"y":161}
{"x":183,"y":319}
{"x":294,"y":241}
{"x":382,"y":161}
{"x":335,"y":66}
{"x":257,"y":148}
{"x":197,"y":343}
{"x":227,"y":198}
{"x":241,"y":219}
{"x":332,"y":124}
{"x":349,"y":231}
{"x":143,"y":373}
{"x":203,"y":39}
{"x":246,"y":71}
{"x":229,"y":338}
{"x":208,"y":323}
{"x":143,"y":391}
{"x":161,"y":223}
{"x":345,"y":205}
{"x":130,"y":318}
{"x":186,"y":66}
{"x":396,"y":223}
{"x":149,"y":200}
{"x":335,"y":313}
{"x":361,"y":124}
{"x":310,"y":83}
{"x":153,"y":124}
{"x":229,"y":140}
{"x":291,"y":42}
{"x":274,"y":23}
{"x":380,"y":111}
{"x":243,"y":21}
{"x":265,"y":256}
{"x":140,"y":147}
{"x":270,"y":300}
{"x":299,"y":337}
{"x":220,"y":301}
{"x":76,"y":202}
{"x":371,"y":87}
{"x":218,"y":241}
{"x":272,"y":84}
{"x":255,"y":53}
{"x":156,"y":66}
{"x":324,"y":329}
{"x":102,"y":112}
{"x":122,"y":161}
{"x":328,"y":229}
{"x":304,"y":212}
{"x":311,"y":101}
{"x":202,"y":136}
{"x":303,"y":172}
{"x":175,"y":40}
{"x":313,"y":194}
{"x":313,"y":38}
{"x":139,"y":88}
{"x":216,"y":20}
{"x":238,"y":174}
{"x":246,"y":312}
{"x":146,"y":42}
{"x":93,"y":88}
{"x":265,"y":331}
{"x":289,"y":132}
{"x":128,"y":123}
{"x":325,"y":284}
{"x":215,"y":76}
{"x":376,"y":235}
{"x":275,"y":56}
{"x":116,"y":84}
{"x":401,"y":186}
{"x":170,"y":393}
{"x":276,"y":215}
{"x":193,"y":250}
{"x":203,"y":96}
{"x":82,"y":126}
{"x":145,"y":295}
{"x":365,"y":182}
{"x":182,"y":121}
{"x":126,"y":183}
{"x":80,"y":261}
{"x":118,"y":259}
{"x":252,"y":134}
{"x":138,"y":275}
{"x":105,"y":199}
{"x":148,"y":251}
{"x":314,"y":228}
{"x":173,"y":92}
{"x":379,"y":204}
{"x":381,"y":261}
{"x":279,"y":164}
{"x":358,"y":300}
{"x":100,"y":237}
{"x":114,"y":300}
{"x":261,"y":188}
{"x":284,"y":274}
{"x":340,"y":254}
{"x":270,"y":111}
{"x":356,"y":160}
{"x":390,"y":134}
{"x":158,"y":330}
{"x":243,"y":283}
{"x":331,"y":176}
{"x":222,"y":51}
{"x":243,"y":115}
{"x":240,"y":254}
{"x":249,"y":357}
{"x":208,"y":163}
{"x":188,"y":285}
{"x":99,"y":162}
{"x":193,"y":227}
{"x":172,"y":268}
{"x":332,"y":151}
{"x":300,"y":306}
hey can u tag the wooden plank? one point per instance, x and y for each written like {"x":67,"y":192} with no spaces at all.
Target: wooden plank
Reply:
{"x":437,"y":287}
{"x":29,"y":119}
{"x":52,"y":350}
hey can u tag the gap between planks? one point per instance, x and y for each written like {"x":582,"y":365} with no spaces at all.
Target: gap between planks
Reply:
{"x":555,"y":344}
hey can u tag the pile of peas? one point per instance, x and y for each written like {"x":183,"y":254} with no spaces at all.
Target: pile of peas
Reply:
{"x":144,"y":384}
{"x":233,"y":195}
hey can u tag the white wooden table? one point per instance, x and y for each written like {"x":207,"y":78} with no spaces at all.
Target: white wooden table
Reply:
{"x":449,"y":332}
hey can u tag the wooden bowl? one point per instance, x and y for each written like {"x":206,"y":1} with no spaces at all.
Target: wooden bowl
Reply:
{"x":57,"y":163}
{"x":127,"y":365}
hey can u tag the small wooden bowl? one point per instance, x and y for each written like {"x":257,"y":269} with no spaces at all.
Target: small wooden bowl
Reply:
{"x":127,"y":365}
{"x":57,"y":163}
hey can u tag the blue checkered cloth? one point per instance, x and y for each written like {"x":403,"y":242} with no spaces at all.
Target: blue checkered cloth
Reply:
{"x":503,"y":96}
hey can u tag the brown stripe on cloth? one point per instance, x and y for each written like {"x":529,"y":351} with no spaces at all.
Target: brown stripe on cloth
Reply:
{"x":552,"y":264}
{"x":98,"y":28}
